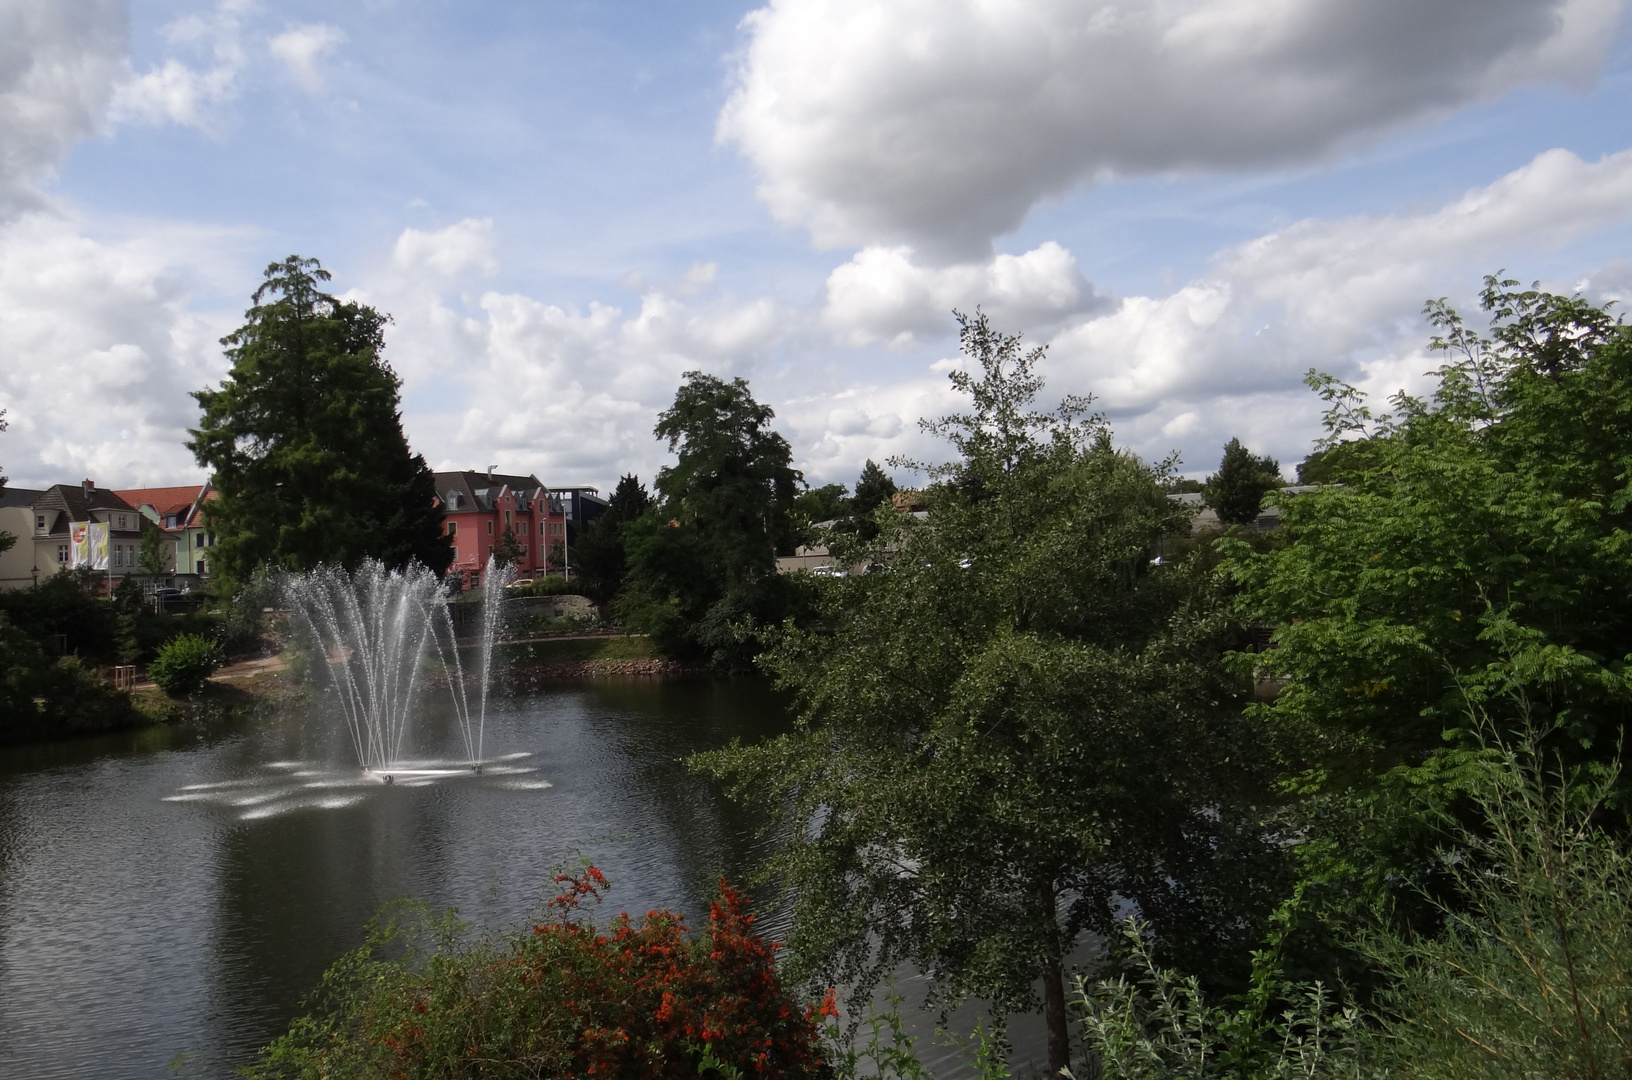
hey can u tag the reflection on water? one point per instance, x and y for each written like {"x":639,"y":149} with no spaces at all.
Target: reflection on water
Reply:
{"x":177,"y":891}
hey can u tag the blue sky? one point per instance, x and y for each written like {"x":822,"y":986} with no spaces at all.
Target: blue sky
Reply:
{"x":565,"y":206}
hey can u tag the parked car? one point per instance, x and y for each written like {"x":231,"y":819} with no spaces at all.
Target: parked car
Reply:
{"x":167,"y":599}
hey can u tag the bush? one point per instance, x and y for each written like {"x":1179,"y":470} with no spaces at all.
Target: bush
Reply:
{"x":184,"y":663}
{"x":46,"y":698}
{"x":638,"y":998}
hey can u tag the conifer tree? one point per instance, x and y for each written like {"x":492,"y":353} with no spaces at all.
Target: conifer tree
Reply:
{"x":304,"y":439}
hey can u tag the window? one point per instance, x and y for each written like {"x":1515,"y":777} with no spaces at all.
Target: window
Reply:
{"x":39,"y":522}
{"x":543,"y":525}
{"x":490,"y":528}
{"x":118,"y":555}
{"x":507,"y":519}
{"x":453,"y":528}
{"x":62,"y":554}
{"x":198,"y":539}
{"x":201,"y":566}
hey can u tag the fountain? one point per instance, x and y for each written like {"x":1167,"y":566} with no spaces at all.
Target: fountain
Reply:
{"x":379,"y":630}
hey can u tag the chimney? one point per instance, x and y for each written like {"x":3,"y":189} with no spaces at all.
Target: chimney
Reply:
{"x":89,"y":487}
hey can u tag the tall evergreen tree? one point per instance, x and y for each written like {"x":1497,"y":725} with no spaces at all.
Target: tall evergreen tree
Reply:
{"x":1236,"y":491}
{"x":873,"y":489}
{"x":305,"y":441}
{"x":600,"y":559}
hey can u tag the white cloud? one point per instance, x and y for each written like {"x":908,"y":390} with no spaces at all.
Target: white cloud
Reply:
{"x":883,"y":293}
{"x":301,"y":47}
{"x":177,"y":93}
{"x":99,"y":347}
{"x":1342,"y":295}
{"x":465,"y":245}
{"x":940,"y":123}
{"x":58,"y":63}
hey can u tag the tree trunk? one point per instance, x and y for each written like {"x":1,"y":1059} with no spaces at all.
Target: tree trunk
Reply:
{"x":1059,"y":1036}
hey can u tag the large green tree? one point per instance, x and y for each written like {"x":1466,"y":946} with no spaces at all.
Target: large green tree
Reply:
{"x":1471,"y":562}
{"x":1017,"y":720}
{"x":304,"y":439}
{"x":1236,"y":491}
{"x":702,"y":561}
{"x":600,"y":559}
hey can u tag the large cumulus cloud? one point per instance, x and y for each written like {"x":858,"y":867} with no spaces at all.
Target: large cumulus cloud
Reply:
{"x":940,"y":123}
{"x":58,"y":65}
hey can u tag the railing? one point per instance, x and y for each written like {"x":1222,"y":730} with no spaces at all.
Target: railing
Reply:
{"x":124,"y":677}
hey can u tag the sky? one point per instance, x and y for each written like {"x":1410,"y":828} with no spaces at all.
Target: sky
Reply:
{"x":566,"y":206}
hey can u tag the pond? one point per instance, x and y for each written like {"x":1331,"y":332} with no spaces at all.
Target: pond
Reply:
{"x":168,"y":896}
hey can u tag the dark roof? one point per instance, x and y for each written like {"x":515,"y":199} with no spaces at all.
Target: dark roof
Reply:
{"x":472,"y":490}
{"x":10,"y":496}
{"x":70,"y":501}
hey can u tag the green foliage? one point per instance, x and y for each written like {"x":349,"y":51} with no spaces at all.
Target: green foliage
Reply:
{"x":507,"y":550}
{"x":1529,"y":974}
{"x":702,"y":561}
{"x":600,"y":560}
{"x":826,"y":503}
{"x":184,"y":664}
{"x":873,"y":490}
{"x":154,"y":556}
{"x":1158,"y":1025}
{"x":1236,"y":491}
{"x":45,"y":698}
{"x":304,"y":440}
{"x":1481,"y":544}
{"x":65,"y":603}
{"x":1532,"y":974}
{"x":1015,"y":723}
{"x":562,"y":998}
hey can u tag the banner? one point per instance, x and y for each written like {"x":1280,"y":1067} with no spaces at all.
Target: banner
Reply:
{"x":90,"y":545}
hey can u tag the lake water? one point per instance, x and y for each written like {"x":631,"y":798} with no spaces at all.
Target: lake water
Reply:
{"x":168,"y":896}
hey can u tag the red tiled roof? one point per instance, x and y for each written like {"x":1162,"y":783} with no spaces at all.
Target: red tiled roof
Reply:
{"x":166,"y":500}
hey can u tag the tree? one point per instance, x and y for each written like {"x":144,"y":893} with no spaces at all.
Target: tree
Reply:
{"x":814,"y":506}
{"x":873,"y":489}
{"x":600,"y":559}
{"x":305,"y":442}
{"x":507,"y":550}
{"x":1477,"y":554}
{"x":151,"y":560}
{"x":1236,"y":491}
{"x":703,"y":560}
{"x":1014,"y":723}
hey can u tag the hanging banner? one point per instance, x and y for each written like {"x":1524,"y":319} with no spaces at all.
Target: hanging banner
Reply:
{"x":90,"y":541}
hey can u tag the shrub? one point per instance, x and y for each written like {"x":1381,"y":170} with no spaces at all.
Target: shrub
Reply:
{"x":563,"y":998}
{"x":184,"y":663}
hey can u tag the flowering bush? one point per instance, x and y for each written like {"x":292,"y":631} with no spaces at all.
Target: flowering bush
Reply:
{"x":639,"y":998}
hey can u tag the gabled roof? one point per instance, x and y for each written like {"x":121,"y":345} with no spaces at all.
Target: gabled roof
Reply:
{"x":10,"y":496}
{"x":71,"y":503}
{"x":470,"y":490}
{"x":165,"y":500}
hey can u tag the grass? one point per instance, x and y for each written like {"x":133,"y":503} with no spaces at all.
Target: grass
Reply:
{"x":579,"y":649}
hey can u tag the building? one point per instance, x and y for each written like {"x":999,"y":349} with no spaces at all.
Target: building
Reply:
{"x":1205,"y":518}
{"x":17,"y":519}
{"x":180,"y":513}
{"x":82,"y":525}
{"x":477,"y":507}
